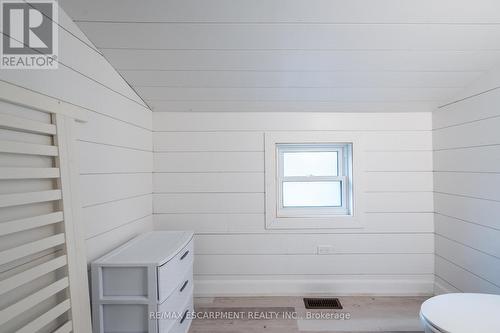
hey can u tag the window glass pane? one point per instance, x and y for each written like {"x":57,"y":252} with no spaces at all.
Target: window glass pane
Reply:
{"x":312,"y":194}
{"x":314,"y":163}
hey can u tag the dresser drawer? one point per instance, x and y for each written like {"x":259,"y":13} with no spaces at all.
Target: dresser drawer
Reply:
{"x":174,"y":304}
{"x":172,"y":273}
{"x":182,"y":317}
{"x":182,"y":325}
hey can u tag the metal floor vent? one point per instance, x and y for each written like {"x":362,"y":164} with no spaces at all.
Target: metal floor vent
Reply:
{"x":322,"y":303}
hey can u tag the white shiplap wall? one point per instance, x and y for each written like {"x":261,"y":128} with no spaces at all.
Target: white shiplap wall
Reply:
{"x":209,"y":177}
{"x":115,"y":144}
{"x":466,"y":139}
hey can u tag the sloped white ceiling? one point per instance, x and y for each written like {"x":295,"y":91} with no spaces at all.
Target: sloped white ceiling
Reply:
{"x":294,"y":55}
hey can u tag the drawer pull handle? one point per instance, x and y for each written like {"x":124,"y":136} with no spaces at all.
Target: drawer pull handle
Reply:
{"x":184,"y":286}
{"x":185,"y":254}
{"x":184,"y":316}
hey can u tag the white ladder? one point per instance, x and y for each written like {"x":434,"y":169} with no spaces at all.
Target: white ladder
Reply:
{"x":43,"y":272}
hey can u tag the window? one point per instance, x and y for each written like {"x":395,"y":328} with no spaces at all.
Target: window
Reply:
{"x":314,"y":179}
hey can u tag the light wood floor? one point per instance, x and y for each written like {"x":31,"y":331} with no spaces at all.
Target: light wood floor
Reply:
{"x":367,"y":314}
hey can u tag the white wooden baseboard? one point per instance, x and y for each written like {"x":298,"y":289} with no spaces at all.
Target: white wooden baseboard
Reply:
{"x":441,"y":287}
{"x":412,"y":286}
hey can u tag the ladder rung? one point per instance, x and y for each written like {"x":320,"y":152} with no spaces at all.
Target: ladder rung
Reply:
{"x":28,"y":173}
{"x":31,"y":248}
{"x":66,"y":328}
{"x":26,"y":125}
{"x":11,"y":227}
{"x":31,"y":274}
{"x":27,"y":303}
{"x":15,"y":147}
{"x":46,"y":318}
{"x":15,"y":199}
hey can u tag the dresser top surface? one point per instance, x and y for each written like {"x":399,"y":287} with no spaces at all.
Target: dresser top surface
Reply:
{"x":151,"y":248}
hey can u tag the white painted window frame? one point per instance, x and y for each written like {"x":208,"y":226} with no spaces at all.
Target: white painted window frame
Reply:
{"x":344,"y":154}
{"x":349,"y":216}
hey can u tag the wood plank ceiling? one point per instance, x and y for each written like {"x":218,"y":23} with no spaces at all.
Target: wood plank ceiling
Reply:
{"x":294,"y":55}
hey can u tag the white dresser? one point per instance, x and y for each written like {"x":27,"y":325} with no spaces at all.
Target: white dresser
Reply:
{"x":145,"y":285}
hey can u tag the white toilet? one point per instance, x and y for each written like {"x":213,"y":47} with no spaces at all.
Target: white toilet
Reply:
{"x":461,"y":313}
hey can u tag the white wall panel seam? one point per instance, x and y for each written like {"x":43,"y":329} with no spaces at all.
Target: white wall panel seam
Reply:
{"x":113,"y":145}
{"x":468,"y":246}
{"x":465,"y":123}
{"x":444,"y":106}
{"x":116,"y":200}
{"x":466,"y":221}
{"x":465,"y":196}
{"x":118,"y":227}
{"x":465,"y":269}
